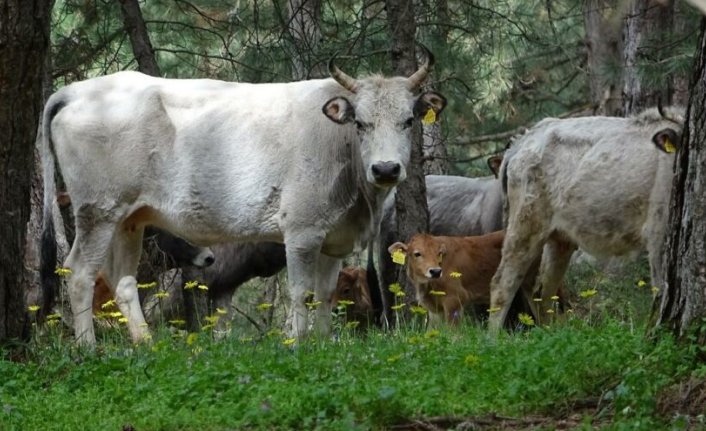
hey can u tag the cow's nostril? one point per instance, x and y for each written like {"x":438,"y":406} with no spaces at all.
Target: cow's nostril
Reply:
{"x":435,"y":272}
{"x":386,"y":171}
{"x":209,"y":260}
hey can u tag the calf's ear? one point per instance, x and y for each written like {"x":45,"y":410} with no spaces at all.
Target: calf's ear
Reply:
{"x":667,"y":140}
{"x":397,"y":246}
{"x":494,"y":163}
{"x":429,"y":100}
{"x":339,"y":110}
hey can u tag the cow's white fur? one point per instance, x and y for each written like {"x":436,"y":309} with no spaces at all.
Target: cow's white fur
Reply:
{"x":598,"y":183}
{"x":214,"y":161}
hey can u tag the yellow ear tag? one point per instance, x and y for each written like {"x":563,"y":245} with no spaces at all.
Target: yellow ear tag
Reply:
{"x":668,"y":146}
{"x":429,"y":117}
{"x":398,"y":257}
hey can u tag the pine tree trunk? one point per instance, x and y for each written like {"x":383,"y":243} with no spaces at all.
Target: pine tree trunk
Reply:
{"x":410,"y":201}
{"x":603,"y":49}
{"x":139,"y":37}
{"x":683,"y":299}
{"x":647,"y":21}
{"x":303,"y":26}
{"x":24,"y":42}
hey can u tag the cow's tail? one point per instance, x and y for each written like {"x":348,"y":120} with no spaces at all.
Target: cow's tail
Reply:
{"x":371,"y":276}
{"x":48,"y":248}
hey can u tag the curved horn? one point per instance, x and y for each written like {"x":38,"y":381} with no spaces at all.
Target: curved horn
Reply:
{"x":660,"y":108}
{"x":416,"y":79}
{"x":347,"y":82}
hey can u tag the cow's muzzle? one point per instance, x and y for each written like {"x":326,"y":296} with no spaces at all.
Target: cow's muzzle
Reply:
{"x":434,"y":272}
{"x":386,"y":172}
{"x":204,"y":259}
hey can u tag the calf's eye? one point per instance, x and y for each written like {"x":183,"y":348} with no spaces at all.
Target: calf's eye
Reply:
{"x":417,"y":254}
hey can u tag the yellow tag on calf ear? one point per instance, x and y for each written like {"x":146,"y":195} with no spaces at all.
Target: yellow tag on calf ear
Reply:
{"x":429,"y":117}
{"x":668,"y":146}
{"x":398,"y":257}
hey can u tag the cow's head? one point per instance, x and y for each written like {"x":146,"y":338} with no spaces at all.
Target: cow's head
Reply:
{"x":423,"y":257}
{"x":353,"y":293}
{"x":384,"y":111}
{"x":181,"y":252}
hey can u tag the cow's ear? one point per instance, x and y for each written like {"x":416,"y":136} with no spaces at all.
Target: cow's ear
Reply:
{"x":494,"y":163}
{"x":339,"y":110}
{"x":666,"y":140}
{"x":398,"y":246}
{"x":429,"y":100}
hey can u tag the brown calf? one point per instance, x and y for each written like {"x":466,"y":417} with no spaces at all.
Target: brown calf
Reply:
{"x":352,"y":286}
{"x":450,"y":273}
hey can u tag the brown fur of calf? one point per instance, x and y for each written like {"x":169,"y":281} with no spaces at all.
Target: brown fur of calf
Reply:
{"x":352,"y":285}
{"x":431,"y":262}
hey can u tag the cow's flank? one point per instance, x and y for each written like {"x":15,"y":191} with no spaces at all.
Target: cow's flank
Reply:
{"x":305,"y":163}
{"x":599,"y":183}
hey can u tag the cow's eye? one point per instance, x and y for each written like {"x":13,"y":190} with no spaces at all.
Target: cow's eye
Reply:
{"x":408,"y":123}
{"x":417,"y":254}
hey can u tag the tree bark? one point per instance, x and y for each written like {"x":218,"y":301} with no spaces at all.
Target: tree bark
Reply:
{"x":304,"y":18}
{"x":139,"y":37}
{"x":646,"y":23}
{"x":410,"y":200}
{"x":24,"y":43}
{"x":603,"y":54}
{"x":682,"y":302}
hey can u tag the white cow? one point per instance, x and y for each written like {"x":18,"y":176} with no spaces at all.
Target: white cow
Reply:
{"x":307,"y":163}
{"x":599,"y":183}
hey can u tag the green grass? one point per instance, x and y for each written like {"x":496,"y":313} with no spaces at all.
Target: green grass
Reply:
{"x":599,"y":355}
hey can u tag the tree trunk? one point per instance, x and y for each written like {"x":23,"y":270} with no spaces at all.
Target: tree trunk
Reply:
{"x":603,"y":52}
{"x":680,"y":80}
{"x":139,"y":37}
{"x":303,"y":26}
{"x":24,"y":43}
{"x":410,"y":201}
{"x":646,"y":24}
{"x":682,"y":303}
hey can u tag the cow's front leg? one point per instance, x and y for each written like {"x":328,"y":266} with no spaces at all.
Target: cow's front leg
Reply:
{"x":302,"y":258}
{"x":327,"y":275}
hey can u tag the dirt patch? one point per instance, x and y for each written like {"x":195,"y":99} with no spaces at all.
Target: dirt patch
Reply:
{"x":685,"y":398}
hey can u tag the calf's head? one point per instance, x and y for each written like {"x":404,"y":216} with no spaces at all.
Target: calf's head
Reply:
{"x":384,"y":111}
{"x":177,"y":251}
{"x":353,"y":287}
{"x":423,"y":257}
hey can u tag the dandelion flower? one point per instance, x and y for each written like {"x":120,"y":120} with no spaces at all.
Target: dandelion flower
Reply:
{"x":641,"y":283}
{"x":399,"y":306}
{"x":493,"y":310}
{"x":289,"y":341}
{"x":345,"y":302}
{"x":455,"y":274}
{"x":394,"y":358}
{"x":588,"y":293}
{"x":191,"y":338}
{"x":212,"y":319}
{"x":108,"y":304}
{"x":432,"y":333}
{"x":352,"y":324}
{"x":654,"y":290}
{"x":202,"y":287}
{"x":437,"y":292}
{"x":115,"y":314}
{"x":550,"y":311}
{"x":555,"y":298}
{"x":471,"y":360}
{"x":399,"y":294}
{"x":312,"y":305}
{"x":207,"y":327}
{"x":33,"y":308}
{"x":221,"y":311}
{"x":264,"y":306}
{"x":63,"y":272}
{"x":54,"y":316}
{"x":147,"y":285}
{"x":526,"y":319}
{"x":395,"y":287}
{"x":122,"y":319}
{"x":191,"y":284}
{"x":143,"y":325}
{"x":177,"y":322}
{"x":537,"y":299}
{"x":416,"y":309}
{"x":274,"y":333}
{"x":161,"y":295}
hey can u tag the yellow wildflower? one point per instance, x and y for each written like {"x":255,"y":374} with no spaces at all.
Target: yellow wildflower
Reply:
{"x":455,"y":274}
{"x":641,"y":283}
{"x":207,"y":327}
{"x":550,"y":311}
{"x":352,"y":324}
{"x":211,"y":319}
{"x":471,"y":360}
{"x":345,"y":302}
{"x":394,"y":358}
{"x":437,"y":292}
{"x":202,"y":287}
{"x":54,"y":316}
{"x":177,"y":322}
{"x":416,"y":309}
{"x":246,"y":339}
{"x":107,"y":304}
{"x":63,"y":272}
{"x":395,"y":287}
{"x":52,"y":322}
{"x":555,"y":298}
{"x":312,"y":305}
{"x":537,"y":299}
{"x":33,"y":308}
{"x":432,"y":333}
{"x":191,"y":284}
{"x":161,"y":294}
{"x":399,"y":294}
{"x":143,"y":325}
{"x":147,"y":285}
{"x":289,"y":341}
{"x":115,"y":314}
{"x":191,"y":338}
{"x":274,"y":333}
{"x":122,"y":319}
{"x":399,"y":306}
{"x":588,"y":293}
{"x":493,"y":309}
{"x":264,"y":306}
{"x":526,"y":319}
{"x":309,"y":293}
{"x":221,"y":311}
{"x":654,"y":290}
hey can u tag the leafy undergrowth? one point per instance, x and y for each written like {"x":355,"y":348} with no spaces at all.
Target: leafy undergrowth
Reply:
{"x":572,"y":375}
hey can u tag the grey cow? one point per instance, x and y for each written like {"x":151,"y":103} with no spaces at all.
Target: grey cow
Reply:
{"x":599,"y":183}
{"x":306,"y":163}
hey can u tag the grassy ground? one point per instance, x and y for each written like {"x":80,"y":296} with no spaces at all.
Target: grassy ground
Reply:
{"x":596,"y":369}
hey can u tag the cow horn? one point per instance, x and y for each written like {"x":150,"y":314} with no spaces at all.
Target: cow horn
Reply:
{"x":416,"y":79}
{"x":660,"y":108}
{"x":348,"y":82}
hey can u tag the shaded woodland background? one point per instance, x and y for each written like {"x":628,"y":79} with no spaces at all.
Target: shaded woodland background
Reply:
{"x":502,"y":65}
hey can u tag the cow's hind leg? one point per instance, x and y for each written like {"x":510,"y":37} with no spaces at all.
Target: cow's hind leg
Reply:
{"x":327,"y":276}
{"x":88,"y":255}
{"x":302,"y":257}
{"x":121,"y":269}
{"x":555,"y":260}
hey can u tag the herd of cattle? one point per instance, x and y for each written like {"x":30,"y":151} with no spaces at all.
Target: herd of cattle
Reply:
{"x":301,"y":174}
